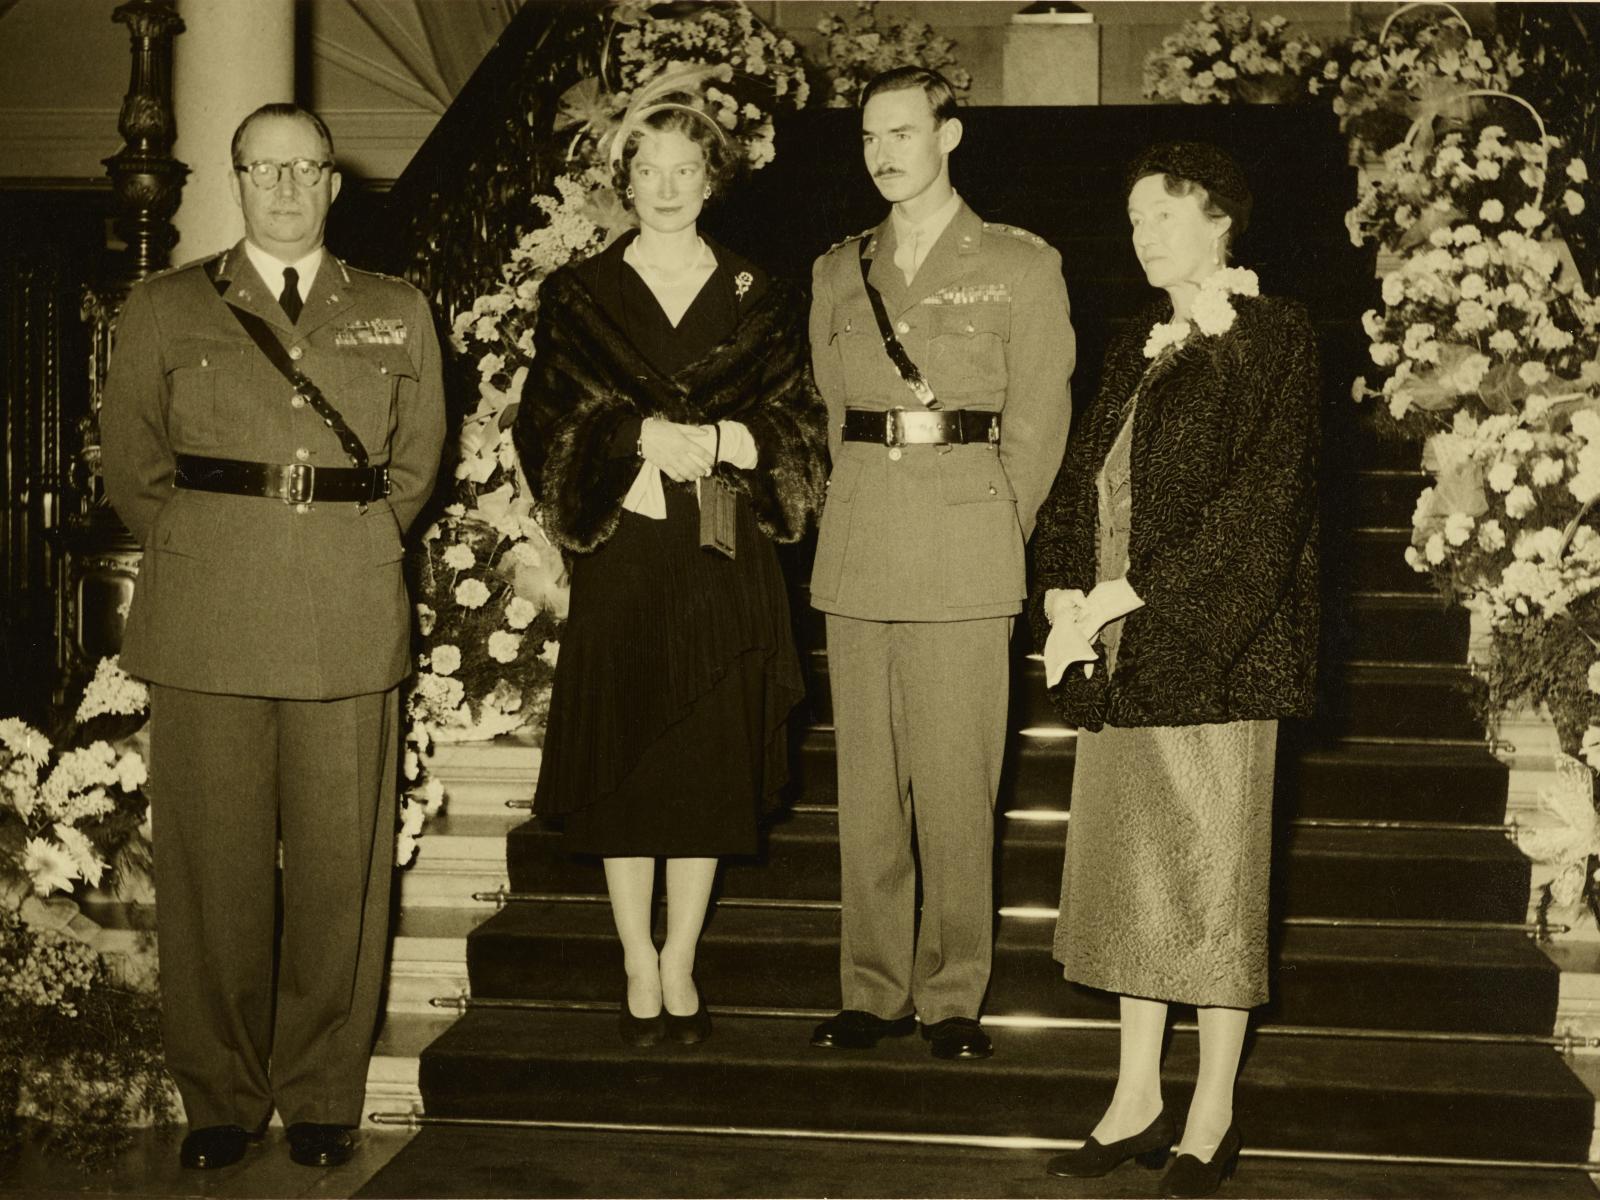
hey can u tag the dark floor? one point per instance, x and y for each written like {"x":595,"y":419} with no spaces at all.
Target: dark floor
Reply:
{"x":536,"y":1163}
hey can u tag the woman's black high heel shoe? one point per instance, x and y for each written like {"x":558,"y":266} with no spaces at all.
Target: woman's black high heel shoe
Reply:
{"x":641,"y":1031}
{"x":1188,"y":1176}
{"x":696,"y":1027}
{"x":1149,"y":1146}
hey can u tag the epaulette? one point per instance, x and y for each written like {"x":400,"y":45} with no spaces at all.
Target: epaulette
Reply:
{"x":1031,"y":238}
{"x":854,"y":237}
{"x":194,"y":262}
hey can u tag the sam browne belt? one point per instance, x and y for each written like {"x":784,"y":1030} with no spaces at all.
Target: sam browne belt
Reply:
{"x":293,"y":483}
{"x":908,"y":427}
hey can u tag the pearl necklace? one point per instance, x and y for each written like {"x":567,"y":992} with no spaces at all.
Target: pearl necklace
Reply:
{"x":673,"y":274}
{"x":1210,"y":310}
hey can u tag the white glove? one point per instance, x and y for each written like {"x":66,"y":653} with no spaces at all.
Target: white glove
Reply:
{"x":1066,"y":644}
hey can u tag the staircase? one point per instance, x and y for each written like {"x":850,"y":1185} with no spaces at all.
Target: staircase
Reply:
{"x":1412,"y":1012}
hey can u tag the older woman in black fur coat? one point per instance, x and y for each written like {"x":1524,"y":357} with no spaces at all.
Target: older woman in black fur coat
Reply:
{"x":670,"y":383}
{"x":1182,"y":538}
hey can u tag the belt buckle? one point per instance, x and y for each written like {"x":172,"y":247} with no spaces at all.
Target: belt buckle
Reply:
{"x":994,"y":430}
{"x":300,"y":485}
{"x":894,"y":427}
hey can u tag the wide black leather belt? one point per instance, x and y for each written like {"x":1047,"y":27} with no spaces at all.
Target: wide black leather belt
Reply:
{"x":293,"y":483}
{"x":909,"y":427}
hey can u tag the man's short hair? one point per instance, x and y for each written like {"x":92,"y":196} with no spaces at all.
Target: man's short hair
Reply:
{"x":281,"y":109}
{"x":941,"y":96}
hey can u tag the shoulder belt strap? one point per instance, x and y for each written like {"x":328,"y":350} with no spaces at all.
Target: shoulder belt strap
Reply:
{"x":897,"y":353}
{"x":267,"y":341}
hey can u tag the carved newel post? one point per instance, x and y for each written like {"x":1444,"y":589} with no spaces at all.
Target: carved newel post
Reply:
{"x":102,"y":558}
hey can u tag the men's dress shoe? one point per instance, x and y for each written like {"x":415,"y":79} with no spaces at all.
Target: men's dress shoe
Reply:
{"x":213,"y":1146}
{"x":1150,"y":1146}
{"x":696,"y":1027}
{"x":315,"y":1145}
{"x":641,"y":1031}
{"x":958,"y":1037}
{"x":853,"y":1029}
{"x":1188,"y":1176}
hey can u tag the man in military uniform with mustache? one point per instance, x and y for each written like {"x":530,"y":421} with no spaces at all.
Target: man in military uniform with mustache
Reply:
{"x":943,"y":347}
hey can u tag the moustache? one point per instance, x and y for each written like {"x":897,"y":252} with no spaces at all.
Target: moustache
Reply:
{"x":888,"y":174}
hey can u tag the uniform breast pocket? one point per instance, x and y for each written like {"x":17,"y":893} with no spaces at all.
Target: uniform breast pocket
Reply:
{"x":364,"y":388}
{"x":208,"y":382}
{"x":967,"y":347}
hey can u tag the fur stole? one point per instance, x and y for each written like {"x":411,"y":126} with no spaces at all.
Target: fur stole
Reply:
{"x":587,"y":383}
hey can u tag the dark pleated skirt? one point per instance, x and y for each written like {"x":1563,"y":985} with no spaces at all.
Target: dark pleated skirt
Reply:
{"x":677,"y":672}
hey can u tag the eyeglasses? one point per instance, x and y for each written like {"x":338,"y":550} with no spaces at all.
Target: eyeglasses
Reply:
{"x":268,"y":174}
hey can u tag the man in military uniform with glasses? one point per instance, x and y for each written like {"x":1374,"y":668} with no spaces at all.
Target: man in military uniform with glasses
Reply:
{"x":943,"y":348}
{"x":272,"y":425}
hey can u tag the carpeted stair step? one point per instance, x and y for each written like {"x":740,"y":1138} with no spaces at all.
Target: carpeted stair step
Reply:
{"x":1412,"y":700}
{"x":1457,"y":980}
{"x":1482,"y":1101}
{"x":1383,"y":873}
{"x":1375,"y":560}
{"x":1387,"y":496}
{"x":1410,"y":628}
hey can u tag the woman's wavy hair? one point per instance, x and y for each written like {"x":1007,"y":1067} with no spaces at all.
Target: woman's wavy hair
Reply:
{"x":723,"y":157}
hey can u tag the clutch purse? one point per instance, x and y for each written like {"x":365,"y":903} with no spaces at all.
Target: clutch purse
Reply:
{"x":719,"y":508}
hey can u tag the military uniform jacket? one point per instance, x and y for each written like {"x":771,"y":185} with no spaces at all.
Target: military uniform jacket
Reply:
{"x":936,"y":533}
{"x":251,"y":596}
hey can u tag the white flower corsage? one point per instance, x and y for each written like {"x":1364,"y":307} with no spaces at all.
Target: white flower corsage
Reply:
{"x":1211,"y":310}
{"x":741,"y":284}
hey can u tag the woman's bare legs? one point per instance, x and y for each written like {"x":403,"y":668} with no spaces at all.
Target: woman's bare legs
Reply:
{"x":1137,"y":1100}
{"x":689,"y":883}
{"x":1222,"y":1033}
{"x":631,"y":882}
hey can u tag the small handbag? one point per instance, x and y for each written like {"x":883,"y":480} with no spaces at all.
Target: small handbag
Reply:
{"x":719,"y":511}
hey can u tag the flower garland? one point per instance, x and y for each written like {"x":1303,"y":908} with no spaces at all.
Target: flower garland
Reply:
{"x":492,"y":587}
{"x":1211,"y":311}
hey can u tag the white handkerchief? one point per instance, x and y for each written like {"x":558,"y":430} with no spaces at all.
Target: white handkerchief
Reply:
{"x":1066,"y":645}
{"x":645,"y":496}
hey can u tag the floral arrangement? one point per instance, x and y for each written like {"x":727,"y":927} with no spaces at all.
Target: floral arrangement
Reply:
{"x":1486,"y":348}
{"x":1225,"y":55}
{"x":857,"y":47}
{"x":1212,"y":311}
{"x":80,"y":1047}
{"x":491,"y":585}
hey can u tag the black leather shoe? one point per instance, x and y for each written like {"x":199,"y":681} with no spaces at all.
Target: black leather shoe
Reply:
{"x":696,"y":1027}
{"x":1092,"y":1160}
{"x":853,"y":1029}
{"x":641,"y":1031}
{"x":213,"y":1146}
{"x":958,"y":1037}
{"x":315,"y":1145}
{"x":1188,"y":1176}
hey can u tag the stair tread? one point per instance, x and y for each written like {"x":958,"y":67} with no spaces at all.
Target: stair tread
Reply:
{"x":441,"y":921}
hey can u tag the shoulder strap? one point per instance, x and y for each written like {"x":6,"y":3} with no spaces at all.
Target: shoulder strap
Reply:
{"x":267,"y":342}
{"x":897,"y":353}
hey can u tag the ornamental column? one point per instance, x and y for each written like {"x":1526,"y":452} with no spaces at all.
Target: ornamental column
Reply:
{"x":235,"y":56}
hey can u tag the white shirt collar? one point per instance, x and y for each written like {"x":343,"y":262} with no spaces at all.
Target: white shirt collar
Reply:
{"x":930,"y":227}
{"x":271,"y":269}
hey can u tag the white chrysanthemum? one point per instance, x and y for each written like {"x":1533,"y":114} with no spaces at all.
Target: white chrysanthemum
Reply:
{"x":446,"y":659}
{"x":48,"y":865}
{"x":112,"y":690}
{"x":504,"y":646}
{"x":458,"y":557}
{"x":90,"y":866}
{"x":1457,"y":528}
{"x":24,"y":741}
{"x":471,"y":593}
{"x":1491,"y":536}
{"x":132,"y":773}
{"x":1519,"y":502}
{"x":1492,"y":211}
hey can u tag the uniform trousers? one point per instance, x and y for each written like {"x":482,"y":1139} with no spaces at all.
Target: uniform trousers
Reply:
{"x":919,"y":711}
{"x":257,"y":1015}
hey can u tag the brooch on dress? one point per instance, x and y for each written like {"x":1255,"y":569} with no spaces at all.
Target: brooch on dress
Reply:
{"x":741,"y":284}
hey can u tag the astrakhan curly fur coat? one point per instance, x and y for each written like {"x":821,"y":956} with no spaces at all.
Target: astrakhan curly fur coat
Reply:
{"x":1223,"y":546}
{"x":588,"y":389}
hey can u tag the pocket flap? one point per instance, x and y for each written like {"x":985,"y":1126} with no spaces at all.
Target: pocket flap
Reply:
{"x":969,"y":320}
{"x":973,"y":478}
{"x":382,"y":360}
{"x":842,"y":483}
{"x":201,"y":353}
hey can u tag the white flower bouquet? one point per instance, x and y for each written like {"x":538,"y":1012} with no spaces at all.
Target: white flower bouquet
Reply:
{"x":858,"y":46}
{"x":1225,"y":56}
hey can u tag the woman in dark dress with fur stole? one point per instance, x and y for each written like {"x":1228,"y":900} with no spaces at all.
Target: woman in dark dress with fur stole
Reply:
{"x":669,"y":376}
{"x":1182,"y":536}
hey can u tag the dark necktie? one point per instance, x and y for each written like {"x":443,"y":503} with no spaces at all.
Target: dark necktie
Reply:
{"x":290,"y":299}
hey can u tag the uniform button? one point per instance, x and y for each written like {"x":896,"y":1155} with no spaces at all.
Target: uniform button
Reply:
{"x":296,"y":353}
{"x":205,"y":362}
{"x":895,"y":453}
{"x":383,"y":368}
{"x":992,"y":492}
{"x":302,"y":454}
{"x":971,"y":328}
{"x":298,"y":402}
{"x":302,"y":509}
{"x":903,"y":327}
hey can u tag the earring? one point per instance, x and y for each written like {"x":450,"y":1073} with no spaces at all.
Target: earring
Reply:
{"x":707,"y":194}
{"x":1216,"y":251}
{"x":628,"y":191}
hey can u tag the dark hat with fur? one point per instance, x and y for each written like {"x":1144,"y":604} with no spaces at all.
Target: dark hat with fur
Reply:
{"x":1198,"y":162}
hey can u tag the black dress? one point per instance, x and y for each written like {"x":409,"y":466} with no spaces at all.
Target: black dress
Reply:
{"x":677,"y":667}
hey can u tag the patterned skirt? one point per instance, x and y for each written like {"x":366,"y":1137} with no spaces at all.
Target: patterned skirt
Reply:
{"x":1165,"y":890}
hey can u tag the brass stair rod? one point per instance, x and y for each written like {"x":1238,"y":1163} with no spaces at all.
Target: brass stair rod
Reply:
{"x":417,"y":1120}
